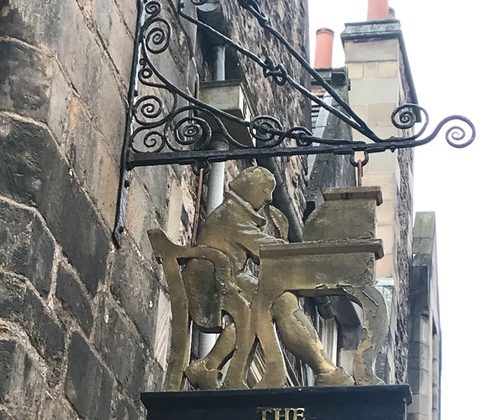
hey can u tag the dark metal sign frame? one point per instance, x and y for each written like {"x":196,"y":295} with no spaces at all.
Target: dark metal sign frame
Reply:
{"x":168,"y":125}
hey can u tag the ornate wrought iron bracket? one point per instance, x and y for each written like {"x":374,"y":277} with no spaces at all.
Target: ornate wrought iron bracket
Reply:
{"x":167,"y":125}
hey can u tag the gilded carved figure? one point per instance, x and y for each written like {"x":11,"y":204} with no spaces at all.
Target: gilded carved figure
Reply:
{"x":217,"y":290}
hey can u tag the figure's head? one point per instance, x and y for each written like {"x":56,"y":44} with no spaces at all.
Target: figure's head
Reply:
{"x":255,"y":185}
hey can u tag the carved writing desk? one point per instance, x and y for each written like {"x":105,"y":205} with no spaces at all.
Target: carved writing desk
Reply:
{"x":316,"y":269}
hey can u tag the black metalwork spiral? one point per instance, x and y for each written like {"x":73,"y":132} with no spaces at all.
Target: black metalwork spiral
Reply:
{"x":266,"y":130}
{"x":167,"y":125}
{"x":150,"y":108}
{"x":161,"y":125}
{"x":192,"y":131}
{"x":185,"y":130}
{"x":459,"y":131}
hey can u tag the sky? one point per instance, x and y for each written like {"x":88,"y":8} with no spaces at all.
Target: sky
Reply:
{"x":445,"y":61}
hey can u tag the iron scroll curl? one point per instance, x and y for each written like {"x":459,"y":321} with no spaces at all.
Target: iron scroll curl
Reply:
{"x":166,"y":124}
{"x":172,"y":121}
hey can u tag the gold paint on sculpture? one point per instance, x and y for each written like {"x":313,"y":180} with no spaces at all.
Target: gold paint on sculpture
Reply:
{"x":218,"y":292}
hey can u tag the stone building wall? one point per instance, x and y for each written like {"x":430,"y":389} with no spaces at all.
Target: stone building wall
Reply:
{"x":84,"y":326}
{"x":424,"y":359}
{"x":377,"y":63}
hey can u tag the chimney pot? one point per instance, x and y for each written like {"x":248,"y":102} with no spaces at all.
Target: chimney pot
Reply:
{"x":324,"y":48}
{"x":378,"y":10}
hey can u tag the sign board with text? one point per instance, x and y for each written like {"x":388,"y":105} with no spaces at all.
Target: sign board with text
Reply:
{"x":383,"y":402}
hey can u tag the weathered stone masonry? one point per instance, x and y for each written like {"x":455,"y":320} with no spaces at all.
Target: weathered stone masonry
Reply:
{"x":77,"y":316}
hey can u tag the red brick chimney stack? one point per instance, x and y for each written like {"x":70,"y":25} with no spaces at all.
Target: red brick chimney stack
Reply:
{"x":378,"y":10}
{"x":324,"y":48}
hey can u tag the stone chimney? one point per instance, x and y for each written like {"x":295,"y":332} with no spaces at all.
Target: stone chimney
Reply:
{"x":324,"y":48}
{"x":378,"y":10}
{"x":381,"y":80}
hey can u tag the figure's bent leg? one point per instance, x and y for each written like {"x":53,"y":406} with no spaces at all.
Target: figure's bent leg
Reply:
{"x":301,"y":339}
{"x":375,"y":326}
{"x":204,"y":373}
{"x":223,"y":348}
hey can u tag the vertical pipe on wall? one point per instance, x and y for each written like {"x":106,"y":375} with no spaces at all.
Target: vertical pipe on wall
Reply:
{"x":216,"y":178}
{"x":216,"y":183}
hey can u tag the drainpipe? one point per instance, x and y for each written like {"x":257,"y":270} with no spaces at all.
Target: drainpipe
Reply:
{"x":216,"y":178}
{"x":215,"y":184}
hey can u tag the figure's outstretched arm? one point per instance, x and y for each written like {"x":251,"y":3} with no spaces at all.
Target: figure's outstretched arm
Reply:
{"x":250,"y":237}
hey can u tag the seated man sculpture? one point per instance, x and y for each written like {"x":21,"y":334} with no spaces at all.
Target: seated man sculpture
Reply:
{"x":235,"y":229}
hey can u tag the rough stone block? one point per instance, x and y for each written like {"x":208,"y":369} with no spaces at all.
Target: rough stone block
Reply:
{"x":388,"y":69}
{"x":21,"y":381}
{"x":84,"y":242}
{"x":112,"y":331}
{"x":46,"y":334}
{"x":140,"y":215}
{"x":424,"y":225}
{"x":60,"y":92}
{"x":374,"y":91}
{"x":420,"y":381}
{"x":4,"y":415}
{"x":124,"y":409}
{"x":370,"y":70}
{"x":386,"y":217}
{"x":73,"y":298}
{"x":22,"y":152}
{"x":386,"y":266}
{"x":135,"y":285}
{"x":35,"y":173}
{"x":118,"y":40}
{"x":81,"y":144}
{"x":128,"y":11}
{"x":383,"y":50}
{"x":12,"y":297}
{"x":20,"y":304}
{"x":108,"y":106}
{"x":362,"y":111}
{"x":7,"y":354}
{"x":154,"y":376}
{"x":92,"y":159}
{"x":384,"y":163}
{"x":109,"y":175}
{"x":347,"y":213}
{"x":88,"y":385}
{"x":79,"y":52}
{"x":355,"y":71}
{"x":419,"y":405}
{"x":32,"y":84}
{"x":26,"y":248}
{"x":32,"y":22}
{"x":25,"y":77}
{"x":158,"y":181}
{"x":92,"y":76}
{"x":56,"y":408}
{"x":380,"y":114}
{"x":163,"y":330}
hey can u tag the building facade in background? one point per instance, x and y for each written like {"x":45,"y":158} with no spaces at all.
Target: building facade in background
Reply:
{"x":85,"y":325}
